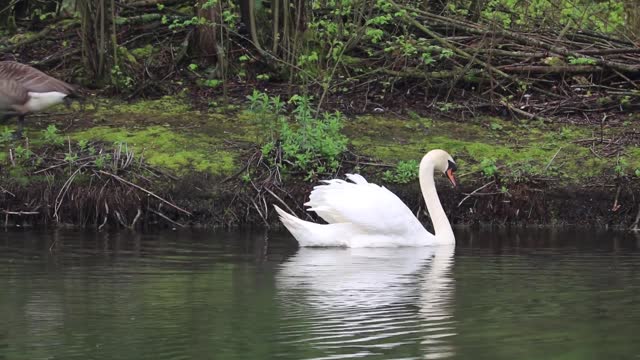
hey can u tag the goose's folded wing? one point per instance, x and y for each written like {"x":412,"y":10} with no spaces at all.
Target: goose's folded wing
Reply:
{"x":369,"y":206}
{"x":33,"y":79}
{"x":11,"y":93}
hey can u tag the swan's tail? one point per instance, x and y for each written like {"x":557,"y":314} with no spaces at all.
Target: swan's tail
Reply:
{"x":312,"y":234}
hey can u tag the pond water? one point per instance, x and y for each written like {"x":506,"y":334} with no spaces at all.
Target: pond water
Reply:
{"x":231,"y":295}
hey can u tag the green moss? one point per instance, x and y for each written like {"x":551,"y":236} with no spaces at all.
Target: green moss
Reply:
{"x":17,"y":38}
{"x":167,"y":106}
{"x":171,"y":134}
{"x":168,"y":149}
{"x":185,"y":10}
{"x":124,"y":53}
{"x":633,"y":158}
{"x":66,"y":24}
{"x":518,"y":148}
{"x":142,"y":53}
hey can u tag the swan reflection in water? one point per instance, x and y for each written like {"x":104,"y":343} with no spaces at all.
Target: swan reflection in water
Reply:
{"x":369,"y":301}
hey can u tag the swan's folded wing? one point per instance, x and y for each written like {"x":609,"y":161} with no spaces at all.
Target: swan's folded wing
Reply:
{"x":369,"y":206}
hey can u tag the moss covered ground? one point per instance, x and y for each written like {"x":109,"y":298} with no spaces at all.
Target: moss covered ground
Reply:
{"x":172,"y":134}
{"x":517,"y":148}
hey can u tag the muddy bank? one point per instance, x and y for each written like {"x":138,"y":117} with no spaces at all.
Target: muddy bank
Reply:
{"x":214,"y":202}
{"x":170,"y":162}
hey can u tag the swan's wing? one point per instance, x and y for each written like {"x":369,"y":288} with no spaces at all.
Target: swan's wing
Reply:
{"x":370,"y":207}
{"x":357,"y":178}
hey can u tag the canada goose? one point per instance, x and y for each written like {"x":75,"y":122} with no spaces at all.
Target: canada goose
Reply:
{"x":24,"y":89}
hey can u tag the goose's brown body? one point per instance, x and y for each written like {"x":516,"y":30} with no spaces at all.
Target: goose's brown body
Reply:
{"x":19,"y":83}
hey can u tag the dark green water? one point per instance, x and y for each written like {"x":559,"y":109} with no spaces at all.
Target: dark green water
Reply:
{"x":197,"y":295}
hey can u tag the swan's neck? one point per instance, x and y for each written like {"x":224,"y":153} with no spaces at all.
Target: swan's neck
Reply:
{"x":441,"y":225}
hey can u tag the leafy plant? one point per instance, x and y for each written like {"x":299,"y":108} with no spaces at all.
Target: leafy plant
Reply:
{"x":404,"y":173}
{"x":605,"y":16}
{"x":102,"y":160}
{"x":120,"y":79}
{"x":495,"y":126}
{"x":621,"y":168}
{"x":212,"y":83}
{"x":83,"y":144}
{"x":310,"y":144}
{"x":22,"y":153}
{"x":6,"y":135}
{"x":488,"y":167}
{"x":52,"y":136}
{"x":581,"y":61}
{"x":70,"y":157}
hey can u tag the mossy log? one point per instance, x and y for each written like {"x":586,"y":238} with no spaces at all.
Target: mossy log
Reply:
{"x":28,"y":40}
{"x":145,"y":19}
{"x":144,"y":3}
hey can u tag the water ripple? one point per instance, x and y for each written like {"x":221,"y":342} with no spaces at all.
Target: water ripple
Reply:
{"x":342,"y":301}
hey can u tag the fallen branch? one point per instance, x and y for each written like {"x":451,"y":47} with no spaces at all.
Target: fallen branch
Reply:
{"x":7,"y":212}
{"x":166,"y":217}
{"x":143,"y":3}
{"x":541,"y":69}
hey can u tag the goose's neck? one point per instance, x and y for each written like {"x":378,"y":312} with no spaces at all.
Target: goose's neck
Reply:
{"x":441,"y":225}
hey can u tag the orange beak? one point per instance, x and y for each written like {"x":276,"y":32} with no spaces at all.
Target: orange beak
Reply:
{"x":451,"y":177}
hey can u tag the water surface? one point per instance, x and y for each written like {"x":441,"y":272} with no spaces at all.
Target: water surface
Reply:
{"x":220,"y":295}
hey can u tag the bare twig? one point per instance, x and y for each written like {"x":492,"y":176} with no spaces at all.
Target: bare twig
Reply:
{"x":144,"y":190}
{"x":553,"y":158}
{"x":475,"y":191}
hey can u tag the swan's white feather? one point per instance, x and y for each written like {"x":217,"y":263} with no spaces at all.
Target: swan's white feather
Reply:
{"x":359,"y":214}
{"x":312,"y":234}
{"x":370,"y":207}
{"x":357,"y":178}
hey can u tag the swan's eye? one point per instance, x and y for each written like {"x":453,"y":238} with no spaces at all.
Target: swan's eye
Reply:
{"x":452,"y":166}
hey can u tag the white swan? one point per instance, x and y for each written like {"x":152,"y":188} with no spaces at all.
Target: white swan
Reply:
{"x":362,"y":214}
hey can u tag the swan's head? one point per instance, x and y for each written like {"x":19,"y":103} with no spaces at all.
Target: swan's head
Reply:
{"x":443,"y":162}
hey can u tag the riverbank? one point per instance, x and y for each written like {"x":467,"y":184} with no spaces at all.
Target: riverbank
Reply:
{"x":177,"y":162}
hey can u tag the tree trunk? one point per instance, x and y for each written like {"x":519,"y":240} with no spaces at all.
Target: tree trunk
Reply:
{"x":633,"y":18}
{"x":95,"y":32}
{"x":7,"y":17}
{"x":207,"y":33}
{"x":21,"y":9}
{"x":475,"y":10}
{"x":245,"y":16}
